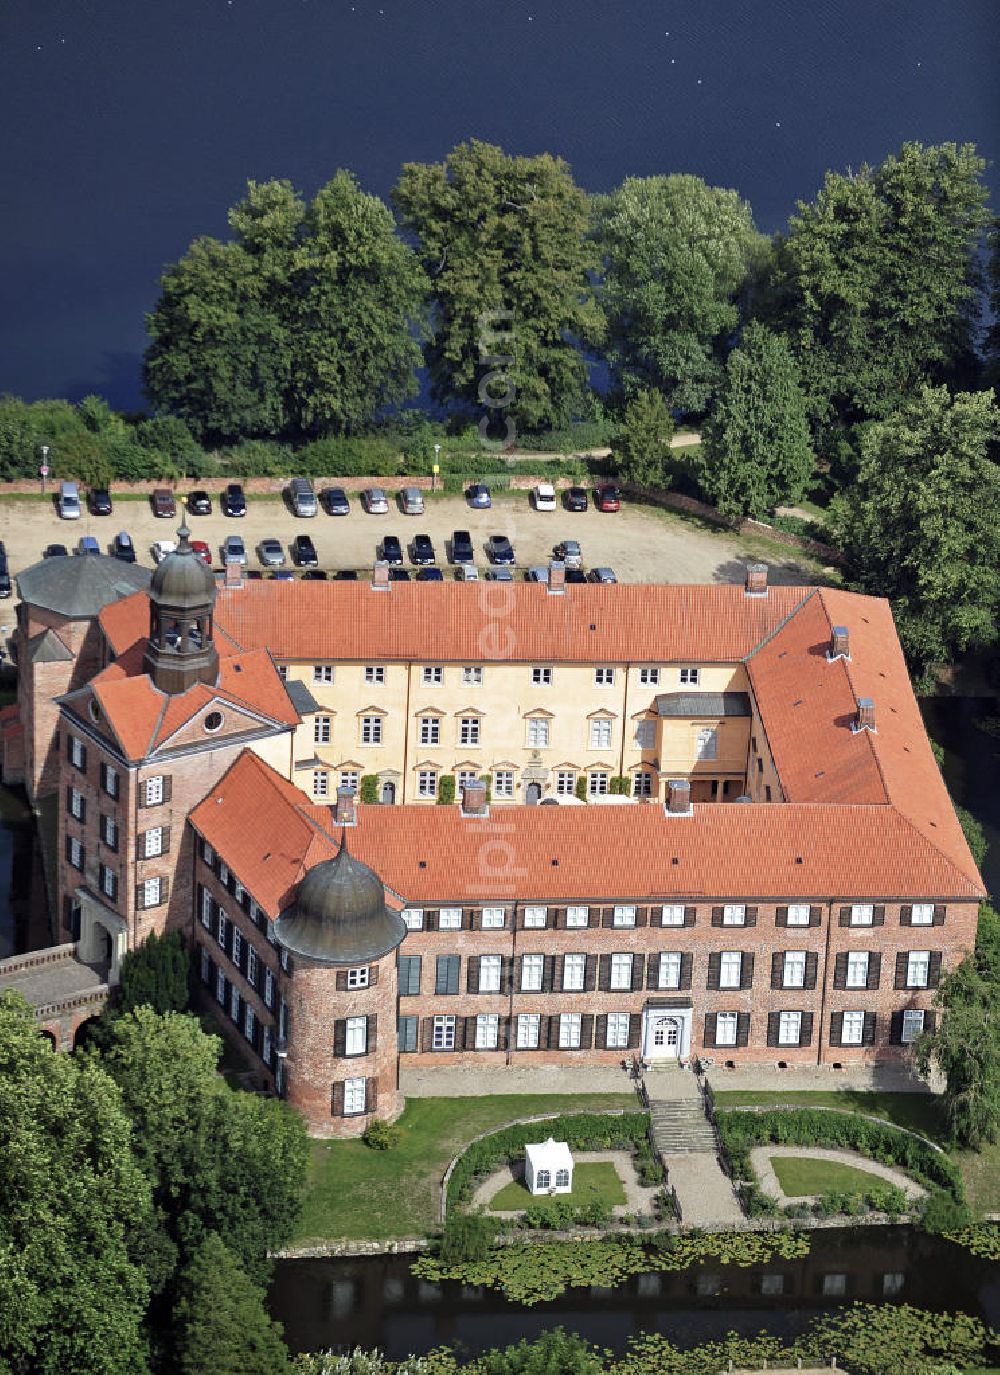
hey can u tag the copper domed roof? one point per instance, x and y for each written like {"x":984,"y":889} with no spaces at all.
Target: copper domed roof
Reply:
{"x":182,"y":580}
{"x":339,"y":914}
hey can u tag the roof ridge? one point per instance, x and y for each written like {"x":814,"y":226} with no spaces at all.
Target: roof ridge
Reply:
{"x":845,"y":660}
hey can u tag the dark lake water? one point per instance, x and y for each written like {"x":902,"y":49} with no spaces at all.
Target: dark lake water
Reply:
{"x":377,"y":1302}
{"x":129,"y":128}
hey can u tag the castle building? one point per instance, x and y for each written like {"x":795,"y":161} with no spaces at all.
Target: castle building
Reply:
{"x":785,"y":880}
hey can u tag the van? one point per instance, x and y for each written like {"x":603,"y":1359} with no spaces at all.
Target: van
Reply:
{"x":302,"y":497}
{"x":69,"y":501}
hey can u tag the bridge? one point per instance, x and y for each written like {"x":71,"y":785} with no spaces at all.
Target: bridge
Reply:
{"x":64,"y":991}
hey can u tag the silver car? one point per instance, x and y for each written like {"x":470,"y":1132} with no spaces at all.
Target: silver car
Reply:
{"x":272,"y":555}
{"x":234,"y":550}
{"x":570,"y":553}
{"x":375,"y":502}
{"x":412,"y":501}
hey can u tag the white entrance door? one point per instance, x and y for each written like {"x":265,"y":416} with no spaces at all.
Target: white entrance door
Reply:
{"x":666,"y":1034}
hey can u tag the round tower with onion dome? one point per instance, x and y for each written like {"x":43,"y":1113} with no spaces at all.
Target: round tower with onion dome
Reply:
{"x":339,"y":1039}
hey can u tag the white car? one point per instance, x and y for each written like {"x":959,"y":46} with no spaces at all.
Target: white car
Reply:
{"x":545,"y":497}
{"x":162,"y":548}
{"x":467,"y":572}
{"x":375,"y":501}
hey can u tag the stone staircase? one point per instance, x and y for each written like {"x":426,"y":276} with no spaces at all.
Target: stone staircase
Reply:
{"x":685,"y":1141}
{"x":680,"y":1125}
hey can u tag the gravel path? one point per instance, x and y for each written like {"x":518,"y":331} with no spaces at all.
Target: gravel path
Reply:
{"x":475,"y":1081}
{"x":703,"y":1190}
{"x":857,"y":1079}
{"x":761,"y":1157}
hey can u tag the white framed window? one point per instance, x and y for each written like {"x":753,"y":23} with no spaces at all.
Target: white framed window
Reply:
{"x":604,"y":677}
{"x":356,"y":1036}
{"x":706,"y":745}
{"x":852,"y":1029}
{"x":569,"y":1030}
{"x":649,"y":677}
{"x":527,"y":1030}
{"x":672,"y":914}
{"x":265,"y":1047}
{"x":467,"y":778}
{"x":450,"y":919}
{"x":430,"y":730}
{"x":375,"y":673}
{"x":322,"y":673}
{"x":669,"y":973}
{"x":223,"y":873}
{"x":862,"y":914}
{"x":913,"y":1024}
{"x":538,"y":732}
{"x":77,"y":753}
{"x":222,"y":930}
{"x":574,"y":970}
{"x":432,"y":675}
{"x":349,"y":779}
{"x":321,"y":783}
{"x":76,"y":803}
{"x":153,"y":842}
{"x":153,"y":790}
{"x":206,"y":909}
{"x":355,"y":1097}
{"x":487,"y":1031}
{"x":427,"y":782}
{"x":472,"y":675}
{"x":541,"y":677}
{"x":358,"y":977}
{"x":618,"y":1025}
{"x":249,"y":1021}
{"x":734,"y":914}
{"x":489,"y":973}
{"x":413,"y":918}
{"x":600,"y":734}
{"x":772,"y":1285}
{"x":469,"y":730}
{"x":371,"y":730}
{"x":689,"y":677}
{"x":268,"y":988}
{"x":443,"y":1033}
{"x":206,"y":966}
{"x":642,"y":783}
{"x":598,"y":783}
{"x":798,"y":914}
{"x":108,"y":882}
{"x":251,"y":966}
{"x":577,"y":917}
{"x":793,"y":973}
{"x":725,"y":1028}
{"x":239,"y":892}
{"x":110,"y":780}
{"x":624,"y":915}
{"x":857,"y":968}
{"x":322,"y":729}
{"x":730,"y":969}
{"x":234,"y":1003}
{"x":283,"y":672}
{"x":493,"y":918}
{"x":503,"y":783}
{"x":207,"y":853}
{"x":565,"y":782}
{"x":254,"y":912}
{"x":220,"y":988}
{"x":789,"y":1028}
{"x":918,"y":963}
{"x":531,"y":973}
{"x":237,"y":945}
{"x":621,"y":971}
{"x":922,"y":914}
{"x":75,"y":853}
{"x":645,"y":735}
{"x":109,"y":832}
{"x":535,"y":918}
{"x":151,"y":890}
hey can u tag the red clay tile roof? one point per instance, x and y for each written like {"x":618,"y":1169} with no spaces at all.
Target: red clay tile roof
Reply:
{"x":269,"y":833}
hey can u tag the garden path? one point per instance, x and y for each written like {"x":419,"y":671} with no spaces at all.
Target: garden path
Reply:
{"x":637,"y":1198}
{"x":855,"y":1079}
{"x":703,"y":1190}
{"x":761,"y":1157}
{"x":474,"y":1081}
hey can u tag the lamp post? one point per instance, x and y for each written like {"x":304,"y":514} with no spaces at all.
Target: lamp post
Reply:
{"x":436,"y":468}
{"x":43,"y":470}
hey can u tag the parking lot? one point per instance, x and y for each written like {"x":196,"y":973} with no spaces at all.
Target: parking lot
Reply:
{"x":640,"y":543}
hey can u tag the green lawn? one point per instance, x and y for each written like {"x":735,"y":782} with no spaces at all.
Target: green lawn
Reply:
{"x":594,"y":1182}
{"x":799,"y":1175}
{"x":353,"y":1191}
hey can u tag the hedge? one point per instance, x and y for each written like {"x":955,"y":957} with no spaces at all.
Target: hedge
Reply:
{"x":739,"y":1131}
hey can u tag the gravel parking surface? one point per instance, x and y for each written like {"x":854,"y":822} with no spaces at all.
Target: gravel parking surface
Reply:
{"x":641,"y":544}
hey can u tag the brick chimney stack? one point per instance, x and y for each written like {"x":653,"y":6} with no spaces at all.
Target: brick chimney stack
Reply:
{"x":345,"y":811}
{"x":839,"y":643}
{"x":865,"y":719}
{"x":679,"y":797}
{"x":380,"y":576}
{"x":557,"y":576}
{"x":755,"y":583}
{"x":234,"y":576}
{"x":474,"y":799}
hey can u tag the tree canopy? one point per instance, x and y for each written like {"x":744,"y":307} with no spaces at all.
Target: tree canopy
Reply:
{"x":676,"y":256}
{"x":221,"y":1326}
{"x":156,"y":974}
{"x":504,"y":242}
{"x":641,"y":449}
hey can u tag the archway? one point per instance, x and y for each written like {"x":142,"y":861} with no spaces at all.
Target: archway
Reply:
{"x":388,"y":793}
{"x":533,"y":794}
{"x":84,"y":1034}
{"x":50,"y":1036}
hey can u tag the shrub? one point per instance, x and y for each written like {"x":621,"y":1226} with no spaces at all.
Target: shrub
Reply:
{"x":369,"y":789}
{"x":581,"y":787}
{"x":467,"y":1237}
{"x":620,"y":785}
{"x":446,"y":790}
{"x":942,"y":1212}
{"x":381,"y":1136}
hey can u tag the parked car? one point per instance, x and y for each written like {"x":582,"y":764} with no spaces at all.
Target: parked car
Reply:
{"x":55,"y":551}
{"x":346,"y":575}
{"x":89,"y":545}
{"x":538,"y":572}
{"x":608,"y":498}
{"x":375,"y":502}
{"x":575,"y":575}
{"x":429,"y":575}
{"x":575,"y":499}
{"x":545,"y":497}
{"x":199,"y":503}
{"x":335,"y":502}
{"x":234,"y":502}
{"x":69,"y":501}
{"x":122,"y":547}
{"x":570,"y":552}
{"x":411,"y":501}
{"x":468,"y":572}
{"x":499,"y":549}
{"x":399,"y":575}
{"x":461,"y":547}
{"x":422,"y":550}
{"x":234,"y":550}
{"x":6,"y":586}
{"x":271,"y":553}
{"x":302,"y":497}
{"x":100,"y":501}
{"x":282,"y":575}
{"x":501,"y":574}
{"x":304,"y":552}
{"x":479,"y":496}
{"x":315,"y":575}
{"x":202,"y":550}
{"x":602,"y":575}
{"x":163,"y":547}
{"x":392,"y":550}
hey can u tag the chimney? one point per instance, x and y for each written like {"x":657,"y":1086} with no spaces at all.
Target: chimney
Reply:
{"x":380,"y":576}
{"x":474,"y":799}
{"x":755,"y":584}
{"x":839,"y":643}
{"x":345,"y":812}
{"x":865,"y":719}
{"x":557,"y":576}
{"x":234,"y":576}
{"x":678,"y":797}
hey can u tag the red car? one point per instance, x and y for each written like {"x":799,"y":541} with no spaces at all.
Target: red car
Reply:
{"x":202,"y":550}
{"x":608,"y":499}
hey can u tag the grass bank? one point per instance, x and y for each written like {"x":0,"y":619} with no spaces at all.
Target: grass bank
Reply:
{"x":800,"y":1176}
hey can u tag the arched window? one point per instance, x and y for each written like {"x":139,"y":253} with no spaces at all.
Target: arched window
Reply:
{"x":562,"y":1179}
{"x":543,"y":1179}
